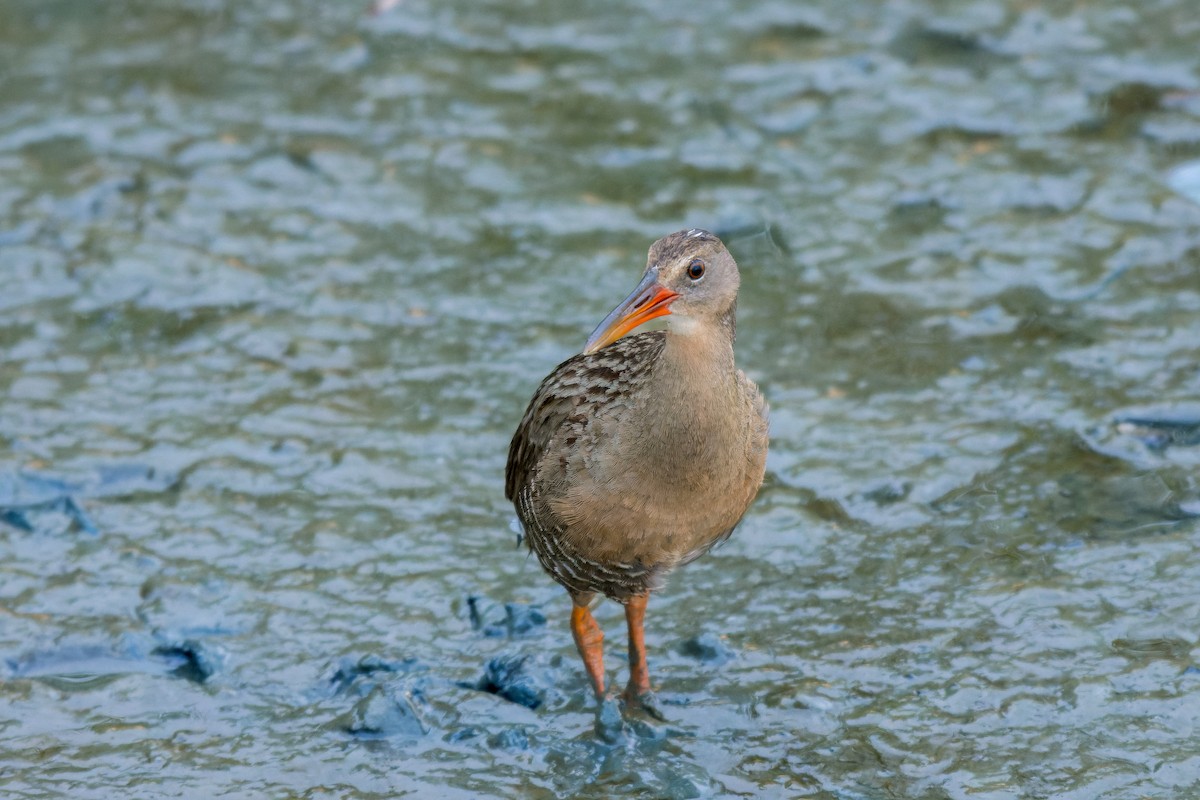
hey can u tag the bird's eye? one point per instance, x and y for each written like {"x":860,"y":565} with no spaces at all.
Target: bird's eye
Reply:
{"x":695,"y":270}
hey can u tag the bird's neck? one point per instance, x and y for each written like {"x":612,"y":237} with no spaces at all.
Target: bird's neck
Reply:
{"x":688,"y":423}
{"x":698,"y":355}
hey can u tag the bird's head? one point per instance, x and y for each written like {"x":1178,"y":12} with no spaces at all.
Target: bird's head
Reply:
{"x":689,"y":276}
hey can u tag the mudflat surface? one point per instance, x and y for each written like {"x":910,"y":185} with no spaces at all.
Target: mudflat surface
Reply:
{"x":277,"y":280}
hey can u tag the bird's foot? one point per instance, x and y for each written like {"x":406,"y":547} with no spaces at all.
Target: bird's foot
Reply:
{"x":643,"y":702}
{"x":618,"y":722}
{"x":610,"y":725}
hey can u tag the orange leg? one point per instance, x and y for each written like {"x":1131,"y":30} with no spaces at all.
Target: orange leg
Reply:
{"x":590,"y":641}
{"x":639,"y":673}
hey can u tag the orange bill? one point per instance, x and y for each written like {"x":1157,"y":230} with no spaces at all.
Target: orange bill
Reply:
{"x":648,"y":301}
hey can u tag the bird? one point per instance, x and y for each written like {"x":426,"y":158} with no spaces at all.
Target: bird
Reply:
{"x":645,"y":450}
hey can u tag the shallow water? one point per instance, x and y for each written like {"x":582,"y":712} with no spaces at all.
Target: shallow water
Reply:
{"x":277,"y":279}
